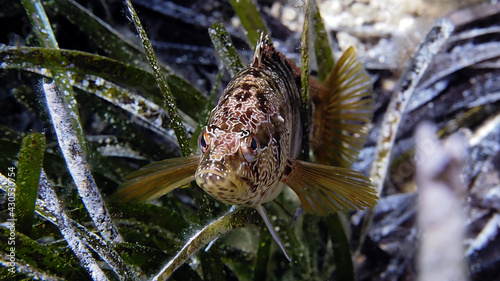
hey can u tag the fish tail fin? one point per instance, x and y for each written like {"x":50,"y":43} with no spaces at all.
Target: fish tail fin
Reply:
{"x":157,"y":179}
{"x":342,"y":109}
{"x":326,"y":189}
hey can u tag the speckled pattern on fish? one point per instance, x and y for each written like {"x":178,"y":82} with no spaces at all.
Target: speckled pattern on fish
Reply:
{"x":259,"y":107}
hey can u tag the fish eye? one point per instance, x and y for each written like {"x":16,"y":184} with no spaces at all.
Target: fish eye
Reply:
{"x":254,"y":145}
{"x":250,"y":148}
{"x":202,"y":141}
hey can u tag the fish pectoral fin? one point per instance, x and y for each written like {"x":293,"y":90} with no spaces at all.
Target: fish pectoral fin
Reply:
{"x":157,"y":179}
{"x":326,"y":189}
{"x":270,"y":227}
{"x":343,"y":106}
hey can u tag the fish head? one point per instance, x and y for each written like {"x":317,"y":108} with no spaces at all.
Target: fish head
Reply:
{"x":231,"y":166}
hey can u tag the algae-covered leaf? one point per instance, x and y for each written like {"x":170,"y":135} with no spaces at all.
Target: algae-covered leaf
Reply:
{"x":41,"y":257}
{"x":168,"y":98}
{"x":305,"y":112}
{"x":341,"y":250}
{"x":148,"y":213}
{"x":28,"y":175}
{"x":46,"y":37}
{"x":107,"y":38}
{"x":435,"y":39}
{"x":250,"y":19}
{"x":263,"y":255}
{"x":324,"y":57}
{"x":130,"y":53}
{"x":224,"y":46}
{"x":322,"y":47}
{"x":238,"y":218}
{"x":77,"y":164}
{"x":27,"y":58}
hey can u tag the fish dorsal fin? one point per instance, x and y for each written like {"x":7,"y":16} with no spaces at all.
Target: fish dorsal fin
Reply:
{"x":157,"y":179}
{"x":264,"y":45}
{"x":266,"y":55}
{"x":326,"y":189}
{"x":270,"y":227}
{"x":342,"y":111}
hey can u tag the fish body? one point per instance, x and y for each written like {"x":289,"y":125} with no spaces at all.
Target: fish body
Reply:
{"x":253,"y":137}
{"x":252,"y":132}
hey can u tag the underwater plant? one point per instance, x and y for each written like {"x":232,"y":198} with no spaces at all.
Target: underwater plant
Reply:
{"x":86,"y":103}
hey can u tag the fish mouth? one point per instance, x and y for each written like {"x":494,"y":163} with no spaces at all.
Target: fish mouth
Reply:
{"x":218,"y":182}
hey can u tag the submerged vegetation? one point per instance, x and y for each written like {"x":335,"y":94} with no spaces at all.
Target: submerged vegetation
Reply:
{"x":84,"y":113}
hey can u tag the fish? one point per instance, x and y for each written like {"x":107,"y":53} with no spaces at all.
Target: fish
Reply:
{"x":250,"y":146}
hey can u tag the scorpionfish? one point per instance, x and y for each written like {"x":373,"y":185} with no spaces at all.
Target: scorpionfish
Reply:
{"x":250,"y":145}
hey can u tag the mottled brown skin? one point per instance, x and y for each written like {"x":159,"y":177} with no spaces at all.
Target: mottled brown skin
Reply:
{"x":252,"y":132}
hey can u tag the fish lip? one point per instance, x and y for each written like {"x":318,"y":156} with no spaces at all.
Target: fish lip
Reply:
{"x":223,"y":179}
{"x":199,"y":173}
{"x":233,"y":180}
{"x":213,"y":167}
